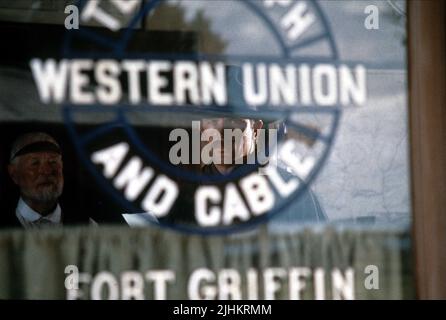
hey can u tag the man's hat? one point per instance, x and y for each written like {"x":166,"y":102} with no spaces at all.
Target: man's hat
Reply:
{"x":33,"y":142}
{"x":237,"y":103}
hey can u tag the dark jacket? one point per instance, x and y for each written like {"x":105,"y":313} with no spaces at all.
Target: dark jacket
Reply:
{"x":306,"y":208}
{"x":9,"y":220}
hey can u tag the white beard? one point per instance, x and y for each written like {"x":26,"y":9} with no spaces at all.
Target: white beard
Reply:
{"x":44,"y":194}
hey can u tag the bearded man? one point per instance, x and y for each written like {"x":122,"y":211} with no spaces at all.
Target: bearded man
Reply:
{"x":36,"y":167}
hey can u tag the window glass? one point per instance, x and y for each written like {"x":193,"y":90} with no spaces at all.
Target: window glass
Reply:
{"x":244,"y":121}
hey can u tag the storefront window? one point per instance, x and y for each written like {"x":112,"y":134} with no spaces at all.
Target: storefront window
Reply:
{"x":227,"y":149}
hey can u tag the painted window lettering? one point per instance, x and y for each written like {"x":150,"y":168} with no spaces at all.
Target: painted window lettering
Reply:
{"x":205,"y":150}
{"x":204,"y":83}
{"x":233,"y":188}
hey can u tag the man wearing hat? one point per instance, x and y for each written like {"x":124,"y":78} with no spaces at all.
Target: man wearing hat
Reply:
{"x":35,"y":166}
{"x":248,"y":119}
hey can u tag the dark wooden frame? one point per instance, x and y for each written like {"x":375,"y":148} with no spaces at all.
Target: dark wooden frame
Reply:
{"x":427,"y":110}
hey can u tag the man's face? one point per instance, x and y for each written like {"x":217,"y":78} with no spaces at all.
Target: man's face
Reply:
{"x":38,"y":175}
{"x":240,"y":147}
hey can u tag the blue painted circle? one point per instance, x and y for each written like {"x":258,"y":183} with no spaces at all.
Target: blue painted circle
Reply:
{"x":118,"y":50}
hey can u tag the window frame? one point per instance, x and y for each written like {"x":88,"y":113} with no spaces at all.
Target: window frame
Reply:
{"x":427,"y":121}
